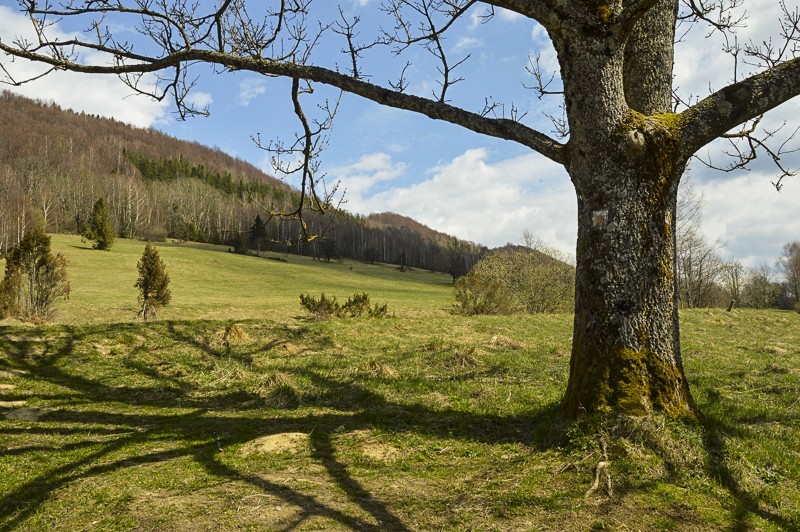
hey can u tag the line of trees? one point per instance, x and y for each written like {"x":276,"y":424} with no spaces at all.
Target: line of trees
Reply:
{"x":55,"y":164}
{"x":705,"y":279}
{"x":35,"y":278}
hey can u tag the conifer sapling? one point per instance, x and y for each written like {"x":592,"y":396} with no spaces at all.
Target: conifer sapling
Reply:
{"x":99,"y":228}
{"x":153,"y":283}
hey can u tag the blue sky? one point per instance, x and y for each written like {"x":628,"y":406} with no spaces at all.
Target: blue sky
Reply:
{"x":474,"y":187}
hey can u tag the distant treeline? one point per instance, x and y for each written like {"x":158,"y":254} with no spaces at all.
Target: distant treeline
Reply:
{"x":54,"y":164}
{"x":169,"y":169}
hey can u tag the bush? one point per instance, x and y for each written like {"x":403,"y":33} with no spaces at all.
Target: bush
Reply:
{"x":327,"y":307}
{"x":153,"y":283}
{"x":322,"y":308}
{"x":516,"y":280}
{"x":34,"y":278}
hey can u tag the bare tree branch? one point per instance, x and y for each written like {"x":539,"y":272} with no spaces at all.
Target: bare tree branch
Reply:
{"x":302,"y":157}
{"x":745,"y":145}
{"x":501,"y":128}
{"x":738,"y":103}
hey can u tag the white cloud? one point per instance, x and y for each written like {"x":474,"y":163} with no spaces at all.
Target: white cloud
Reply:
{"x":361,"y":177}
{"x":101,"y":95}
{"x":507,"y":15}
{"x":492,"y":202}
{"x":701,"y":62}
{"x":199,"y":100}
{"x":750,"y":217}
{"x":466,"y":43}
{"x":249,"y":89}
{"x":483,"y":201}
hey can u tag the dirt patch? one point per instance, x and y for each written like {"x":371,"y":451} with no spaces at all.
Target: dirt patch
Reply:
{"x":285,"y":442}
{"x":230,"y":336}
{"x":503,"y":342}
{"x":24,"y":414}
{"x":380,"y":452}
{"x":104,"y":348}
{"x":373,"y":449}
{"x":7,"y":386}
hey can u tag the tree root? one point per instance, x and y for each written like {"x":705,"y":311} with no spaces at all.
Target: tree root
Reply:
{"x":601,"y":470}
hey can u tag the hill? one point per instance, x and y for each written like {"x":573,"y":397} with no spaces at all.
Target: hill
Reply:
{"x":54,"y":164}
{"x":391,"y":219}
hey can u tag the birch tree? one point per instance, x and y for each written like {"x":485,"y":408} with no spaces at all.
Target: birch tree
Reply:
{"x":621,"y":141}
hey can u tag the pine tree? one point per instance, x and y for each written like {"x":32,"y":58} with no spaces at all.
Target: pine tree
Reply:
{"x":153,"y":283}
{"x":258,"y":232}
{"x":99,"y":228}
{"x":34,"y":278}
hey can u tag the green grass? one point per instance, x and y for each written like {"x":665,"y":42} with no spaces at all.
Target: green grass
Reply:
{"x":219,"y":285}
{"x":422,"y":421}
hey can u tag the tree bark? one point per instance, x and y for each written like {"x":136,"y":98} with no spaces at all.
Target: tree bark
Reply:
{"x":626,"y":347}
{"x":626,"y":168}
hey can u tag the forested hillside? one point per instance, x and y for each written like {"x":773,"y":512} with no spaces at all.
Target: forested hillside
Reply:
{"x":54,"y":164}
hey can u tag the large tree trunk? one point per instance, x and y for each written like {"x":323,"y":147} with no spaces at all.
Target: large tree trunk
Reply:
{"x":626,"y":347}
{"x":626,"y":169}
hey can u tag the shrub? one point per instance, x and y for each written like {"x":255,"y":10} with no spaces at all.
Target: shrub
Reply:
{"x":34,"y":278}
{"x":327,"y":307}
{"x":153,"y":283}
{"x":358,"y":305}
{"x":516,"y":280}
{"x":99,"y":228}
{"x":322,"y":308}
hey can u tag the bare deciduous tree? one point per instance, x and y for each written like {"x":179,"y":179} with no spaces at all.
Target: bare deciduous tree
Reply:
{"x":699,"y":264}
{"x":626,"y":151}
{"x":789,"y":263}
{"x":733,"y":278}
{"x":760,"y":290}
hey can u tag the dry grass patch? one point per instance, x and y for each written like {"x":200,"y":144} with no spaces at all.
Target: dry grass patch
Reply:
{"x":498,"y":341}
{"x":374,"y":368}
{"x":229,"y":336}
{"x":286,"y":442}
{"x":279,"y":391}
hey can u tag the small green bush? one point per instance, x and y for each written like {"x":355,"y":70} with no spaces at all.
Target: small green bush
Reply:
{"x":34,"y":279}
{"x":356,"y":305}
{"x":99,"y":227}
{"x":322,"y":308}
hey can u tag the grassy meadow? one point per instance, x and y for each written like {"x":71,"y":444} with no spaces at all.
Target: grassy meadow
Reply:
{"x":208,"y":282}
{"x":236,"y":411}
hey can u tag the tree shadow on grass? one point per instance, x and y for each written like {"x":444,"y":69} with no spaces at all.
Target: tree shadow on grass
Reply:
{"x":718,"y":465}
{"x":131,"y":417}
{"x":125,"y":419}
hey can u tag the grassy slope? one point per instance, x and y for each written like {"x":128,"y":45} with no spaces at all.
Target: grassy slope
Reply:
{"x":221,"y":285}
{"x":423,"y":421}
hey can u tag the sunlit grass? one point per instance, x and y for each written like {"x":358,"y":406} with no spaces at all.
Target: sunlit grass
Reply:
{"x":237,"y":411}
{"x":421,"y":423}
{"x":207,"y":282}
